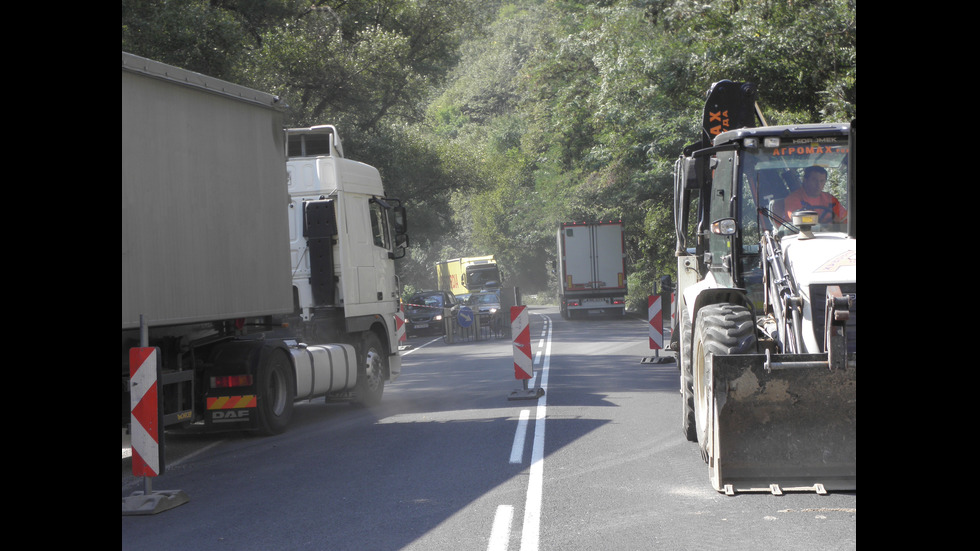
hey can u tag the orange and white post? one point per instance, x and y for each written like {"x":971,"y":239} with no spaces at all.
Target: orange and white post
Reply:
{"x":523,"y":363}
{"x":400,"y":326}
{"x":146,"y":431}
{"x":145,"y":427}
{"x":655,"y":317}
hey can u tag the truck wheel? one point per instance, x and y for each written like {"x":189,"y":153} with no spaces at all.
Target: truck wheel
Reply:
{"x":688,"y":426}
{"x":371,"y":370}
{"x":275,"y":393}
{"x":720,"y":329}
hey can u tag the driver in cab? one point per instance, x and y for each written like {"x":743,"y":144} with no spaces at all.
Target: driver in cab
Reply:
{"x":811,"y":196}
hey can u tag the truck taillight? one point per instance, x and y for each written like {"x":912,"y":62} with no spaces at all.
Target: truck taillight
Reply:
{"x":229,"y":381}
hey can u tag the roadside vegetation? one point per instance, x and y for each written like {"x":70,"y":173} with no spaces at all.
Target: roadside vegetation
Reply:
{"x":494,"y":121}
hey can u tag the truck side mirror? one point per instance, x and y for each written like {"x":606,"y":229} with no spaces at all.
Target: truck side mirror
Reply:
{"x":401,"y":221}
{"x":401,"y":243}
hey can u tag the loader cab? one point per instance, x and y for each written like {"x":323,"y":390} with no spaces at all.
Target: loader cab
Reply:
{"x":780,"y":174}
{"x":748,"y":180}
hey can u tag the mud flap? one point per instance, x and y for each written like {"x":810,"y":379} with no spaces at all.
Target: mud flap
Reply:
{"x":783,"y":423}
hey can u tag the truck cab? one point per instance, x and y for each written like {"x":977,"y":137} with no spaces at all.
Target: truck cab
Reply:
{"x":343,"y":234}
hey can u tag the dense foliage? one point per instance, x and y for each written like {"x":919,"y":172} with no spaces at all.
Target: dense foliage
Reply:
{"x":494,"y":121}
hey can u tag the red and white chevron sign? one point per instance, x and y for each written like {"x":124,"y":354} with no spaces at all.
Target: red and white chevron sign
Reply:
{"x":521,"y":330}
{"x":399,"y":325}
{"x":145,"y":414}
{"x":655,"y":316}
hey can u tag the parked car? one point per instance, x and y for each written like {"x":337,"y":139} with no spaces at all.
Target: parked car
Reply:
{"x":424,"y":312}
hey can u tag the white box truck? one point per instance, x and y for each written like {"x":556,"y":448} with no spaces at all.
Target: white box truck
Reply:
{"x":591,"y":269}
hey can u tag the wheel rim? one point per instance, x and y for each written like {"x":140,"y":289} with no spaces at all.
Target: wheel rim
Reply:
{"x":372,"y":366}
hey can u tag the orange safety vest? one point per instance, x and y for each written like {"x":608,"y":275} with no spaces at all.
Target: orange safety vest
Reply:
{"x":824,"y":205}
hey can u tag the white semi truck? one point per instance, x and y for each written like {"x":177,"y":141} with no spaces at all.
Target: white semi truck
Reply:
{"x":256,"y":259}
{"x":591,"y":269}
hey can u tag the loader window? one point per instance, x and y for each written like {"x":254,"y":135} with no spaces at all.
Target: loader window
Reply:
{"x":749,"y":274}
{"x":749,"y":218}
{"x":773,"y":174}
{"x":719,"y":252}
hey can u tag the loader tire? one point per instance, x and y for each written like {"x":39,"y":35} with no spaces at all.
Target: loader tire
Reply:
{"x":720,"y":329}
{"x":276,"y":391}
{"x":688,"y":426}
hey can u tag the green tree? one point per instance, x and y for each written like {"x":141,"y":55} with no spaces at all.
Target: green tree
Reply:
{"x":494,"y":121}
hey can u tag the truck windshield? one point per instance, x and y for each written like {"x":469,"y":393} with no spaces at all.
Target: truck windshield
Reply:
{"x":802,"y":175}
{"x":479,"y":277}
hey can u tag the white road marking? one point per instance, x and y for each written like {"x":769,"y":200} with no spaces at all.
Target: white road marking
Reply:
{"x":500,"y":533}
{"x":517,"y":451}
{"x":530,"y":533}
{"x":413,"y":349}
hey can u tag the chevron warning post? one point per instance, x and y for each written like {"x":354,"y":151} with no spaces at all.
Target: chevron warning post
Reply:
{"x":521,"y":330}
{"x":400,"y":325}
{"x":145,"y":412}
{"x":655,"y":317}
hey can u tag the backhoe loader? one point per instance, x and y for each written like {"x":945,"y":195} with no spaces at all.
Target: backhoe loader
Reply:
{"x":766,"y":298}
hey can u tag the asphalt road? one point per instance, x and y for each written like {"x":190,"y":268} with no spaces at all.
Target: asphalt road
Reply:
{"x":449,"y":462}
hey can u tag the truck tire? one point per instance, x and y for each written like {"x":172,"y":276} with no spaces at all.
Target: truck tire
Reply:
{"x":720,"y":329}
{"x":688,"y":425}
{"x":371,"y":369}
{"x":276,"y":392}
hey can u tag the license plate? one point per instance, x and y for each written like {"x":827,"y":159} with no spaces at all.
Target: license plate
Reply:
{"x":421,"y":325}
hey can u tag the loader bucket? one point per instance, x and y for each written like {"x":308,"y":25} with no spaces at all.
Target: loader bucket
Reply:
{"x":788,"y":424}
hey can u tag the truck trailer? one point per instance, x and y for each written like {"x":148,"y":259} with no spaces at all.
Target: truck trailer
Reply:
{"x":591,"y":269}
{"x":258,"y":260}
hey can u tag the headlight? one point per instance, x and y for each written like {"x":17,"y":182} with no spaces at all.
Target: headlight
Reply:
{"x":725,"y":226}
